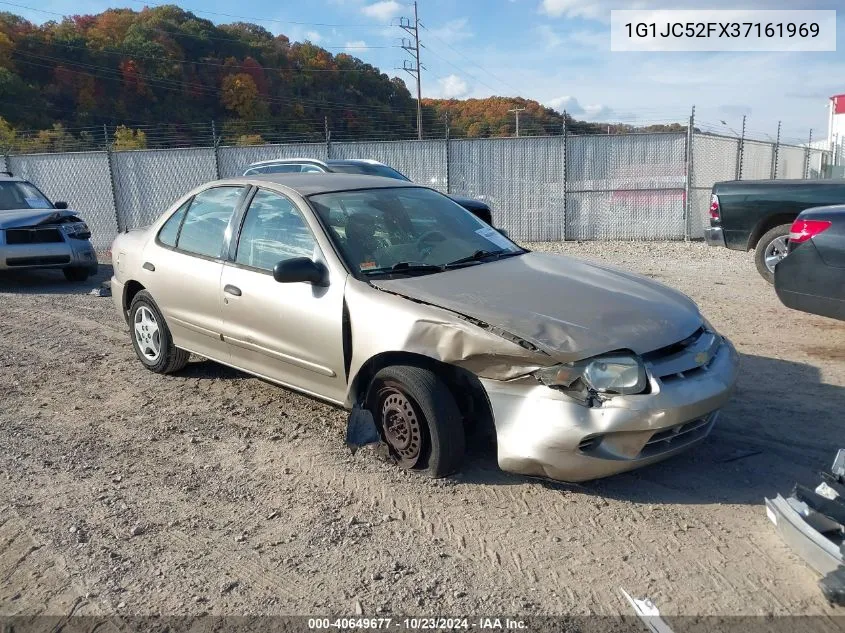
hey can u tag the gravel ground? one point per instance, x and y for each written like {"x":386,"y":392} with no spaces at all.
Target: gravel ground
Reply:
{"x":213,"y":492}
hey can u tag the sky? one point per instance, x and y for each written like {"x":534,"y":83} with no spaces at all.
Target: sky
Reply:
{"x":554,"y":51}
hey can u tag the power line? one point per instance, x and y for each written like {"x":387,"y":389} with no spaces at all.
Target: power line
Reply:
{"x":474,"y":63}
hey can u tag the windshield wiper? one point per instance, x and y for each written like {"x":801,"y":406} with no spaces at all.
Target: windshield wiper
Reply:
{"x":407,"y":267}
{"x":478,"y":256}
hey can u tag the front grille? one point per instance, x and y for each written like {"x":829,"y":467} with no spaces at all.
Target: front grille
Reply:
{"x":685,"y":359}
{"x":33,"y":236}
{"x":678,"y":435}
{"x":46,"y":260}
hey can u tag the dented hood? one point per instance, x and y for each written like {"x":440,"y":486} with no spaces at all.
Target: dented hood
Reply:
{"x":31,"y":217}
{"x":569,"y":308}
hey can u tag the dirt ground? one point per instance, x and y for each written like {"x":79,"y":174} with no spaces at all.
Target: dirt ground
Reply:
{"x":122,"y":491}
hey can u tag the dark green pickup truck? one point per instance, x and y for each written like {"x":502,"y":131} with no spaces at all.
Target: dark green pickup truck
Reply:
{"x":746,"y":214}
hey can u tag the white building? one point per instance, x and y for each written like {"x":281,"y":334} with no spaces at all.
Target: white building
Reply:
{"x":836,"y":131}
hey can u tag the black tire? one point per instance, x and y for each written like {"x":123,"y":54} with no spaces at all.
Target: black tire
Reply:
{"x":170,"y":357}
{"x":403,"y":396}
{"x":76,"y":273}
{"x":760,"y":250}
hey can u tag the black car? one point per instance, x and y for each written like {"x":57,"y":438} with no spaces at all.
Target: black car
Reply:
{"x":361,"y":166}
{"x":812,"y":276}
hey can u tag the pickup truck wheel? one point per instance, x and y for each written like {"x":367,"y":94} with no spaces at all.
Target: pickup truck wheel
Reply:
{"x":418,"y":419}
{"x":770,"y":249}
{"x":151,"y":337}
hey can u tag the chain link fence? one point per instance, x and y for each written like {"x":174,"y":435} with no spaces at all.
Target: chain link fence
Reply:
{"x":644,"y":186}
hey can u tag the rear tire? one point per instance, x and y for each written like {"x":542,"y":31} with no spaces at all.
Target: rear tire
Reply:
{"x":770,"y":249}
{"x":76,"y":273}
{"x":418,"y":418}
{"x":151,"y":337}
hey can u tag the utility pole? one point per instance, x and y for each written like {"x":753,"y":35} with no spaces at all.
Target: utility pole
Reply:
{"x":412,"y":46}
{"x":516,"y":111}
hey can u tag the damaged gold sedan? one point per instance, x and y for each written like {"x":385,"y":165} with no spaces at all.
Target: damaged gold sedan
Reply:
{"x":390,"y":299}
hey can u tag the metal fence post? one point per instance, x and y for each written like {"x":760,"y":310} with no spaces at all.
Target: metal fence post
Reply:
{"x":807,"y":155}
{"x":448,"y":179}
{"x":215,"y":142}
{"x":117,"y":219}
{"x":328,"y":137}
{"x":689,"y":172}
{"x":775,"y":155}
{"x":565,"y":137}
{"x":740,"y":149}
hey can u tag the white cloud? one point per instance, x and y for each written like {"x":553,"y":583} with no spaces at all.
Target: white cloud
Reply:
{"x":589,"y":9}
{"x":313,"y":36}
{"x":549,"y":37}
{"x":452,"y":87}
{"x":355,"y":45}
{"x":383,"y":10}
{"x":452,"y":31}
{"x":567,"y":103}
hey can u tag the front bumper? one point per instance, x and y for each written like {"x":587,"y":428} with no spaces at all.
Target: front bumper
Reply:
{"x":714,"y":236}
{"x":543,"y":432}
{"x":65,"y":254}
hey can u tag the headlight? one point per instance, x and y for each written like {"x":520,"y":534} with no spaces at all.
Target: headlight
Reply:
{"x":618,"y":374}
{"x":78,"y":230}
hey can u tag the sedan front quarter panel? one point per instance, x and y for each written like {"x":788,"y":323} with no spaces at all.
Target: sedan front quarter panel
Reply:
{"x":382,"y":322}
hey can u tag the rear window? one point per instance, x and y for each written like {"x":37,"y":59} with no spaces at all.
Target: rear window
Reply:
{"x":22,"y":195}
{"x":367,"y":169}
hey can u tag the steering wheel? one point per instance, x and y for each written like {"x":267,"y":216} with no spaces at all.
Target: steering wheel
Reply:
{"x":429,"y":236}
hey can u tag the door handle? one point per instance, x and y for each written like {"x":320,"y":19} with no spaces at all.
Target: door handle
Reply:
{"x":232,"y":290}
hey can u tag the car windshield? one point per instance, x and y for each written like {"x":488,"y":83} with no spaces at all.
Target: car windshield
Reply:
{"x":407,"y":230}
{"x":21,"y":195}
{"x":368,"y":169}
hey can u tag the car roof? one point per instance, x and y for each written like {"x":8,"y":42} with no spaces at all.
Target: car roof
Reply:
{"x":317,"y":161}
{"x":311,"y":184}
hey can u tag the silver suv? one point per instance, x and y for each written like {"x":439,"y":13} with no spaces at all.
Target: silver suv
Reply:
{"x":37,"y":233}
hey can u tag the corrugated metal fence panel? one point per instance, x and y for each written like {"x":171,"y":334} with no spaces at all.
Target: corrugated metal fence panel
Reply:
{"x":148,"y":181}
{"x":423,"y":162}
{"x":791,"y":161}
{"x":625,"y":187}
{"x":521,"y":179}
{"x":81,"y":179}
{"x":235,"y":160}
{"x":757,"y":160}
{"x":714,"y":160}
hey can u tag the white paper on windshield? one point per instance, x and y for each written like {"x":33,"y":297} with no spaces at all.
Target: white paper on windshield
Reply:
{"x":37,"y":203}
{"x":492,"y":235}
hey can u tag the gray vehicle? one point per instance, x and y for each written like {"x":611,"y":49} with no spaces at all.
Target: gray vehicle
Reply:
{"x":36,"y":233}
{"x":361,"y":166}
{"x":388,"y":298}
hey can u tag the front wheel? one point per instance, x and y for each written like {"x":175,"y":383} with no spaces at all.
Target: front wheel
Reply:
{"x":771,"y":248}
{"x":151,"y":337}
{"x":418,"y":418}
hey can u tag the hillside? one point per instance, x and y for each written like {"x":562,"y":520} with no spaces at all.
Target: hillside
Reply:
{"x":158,"y":77}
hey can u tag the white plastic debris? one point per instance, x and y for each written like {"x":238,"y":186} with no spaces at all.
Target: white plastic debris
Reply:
{"x":648,"y":613}
{"x":823,"y":490}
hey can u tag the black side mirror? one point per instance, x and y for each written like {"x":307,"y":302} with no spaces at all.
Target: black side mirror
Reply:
{"x":297,"y":269}
{"x":60,"y":204}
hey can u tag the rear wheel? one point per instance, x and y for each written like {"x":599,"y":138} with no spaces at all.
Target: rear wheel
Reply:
{"x":418,"y":419}
{"x":770,"y":249}
{"x":151,"y":337}
{"x":76,"y":273}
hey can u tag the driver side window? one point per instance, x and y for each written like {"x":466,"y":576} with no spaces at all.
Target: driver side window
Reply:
{"x":273,"y":230}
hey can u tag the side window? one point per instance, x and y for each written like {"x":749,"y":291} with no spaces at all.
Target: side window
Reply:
{"x":284,"y":168}
{"x":273,"y":230}
{"x":204,"y":229}
{"x":311,"y":169}
{"x":170,"y":230}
